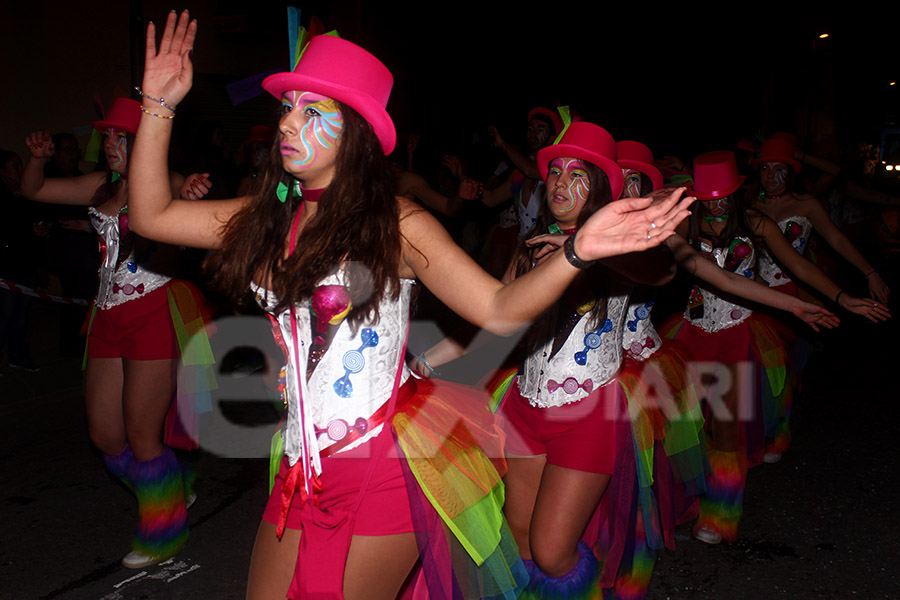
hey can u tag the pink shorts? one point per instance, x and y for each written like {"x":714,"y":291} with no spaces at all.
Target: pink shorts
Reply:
{"x":384,"y":509}
{"x":727,"y":346}
{"x":580,"y":436}
{"x":139,"y":329}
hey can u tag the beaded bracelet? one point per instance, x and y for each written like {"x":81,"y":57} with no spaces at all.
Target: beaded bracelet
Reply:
{"x":162,"y":101}
{"x":158,"y":116}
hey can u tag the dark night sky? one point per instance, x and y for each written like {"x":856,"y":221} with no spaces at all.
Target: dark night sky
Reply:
{"x":681,"y":79}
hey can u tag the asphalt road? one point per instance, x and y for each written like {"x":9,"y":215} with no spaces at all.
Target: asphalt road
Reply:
{"x":822,"y":523}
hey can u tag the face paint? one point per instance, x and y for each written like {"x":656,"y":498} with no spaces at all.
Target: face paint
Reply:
{"x":538,"y":134}
{"x":773,"y":178}
{"x":116,"y":148}
{"x":318,"y":124}
{"x":632,"y":183}
{"x":719,"y":207}
{"x":568,"y":188}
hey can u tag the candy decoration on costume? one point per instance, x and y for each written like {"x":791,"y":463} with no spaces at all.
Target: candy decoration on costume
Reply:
{"x":571,"y":385}
{"x":738,"y":251}
{"x":636,"y":347}
{"x":339,"y":429}
{"x":328,"y":306}
{"x":641,"y":313}
{"x":128,"y":289}
{"x":354,"y":362}
{"x":592,"y":341}
{"x":159,"y":486}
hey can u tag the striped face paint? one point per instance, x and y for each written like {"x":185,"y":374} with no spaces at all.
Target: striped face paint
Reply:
{"x":115,"y":147}
{"x":318,"y":122}
{"x":632,"y":183}
{"x":568,"y":188}
{"x":773,"y":178}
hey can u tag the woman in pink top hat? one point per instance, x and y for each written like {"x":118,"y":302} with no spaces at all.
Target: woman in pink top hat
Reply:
{"x":797,"y":215}
{"x":379,"y":474}
{"x":721,"y":331}
{"x":572,"y":478}
{"x":132,"y":348}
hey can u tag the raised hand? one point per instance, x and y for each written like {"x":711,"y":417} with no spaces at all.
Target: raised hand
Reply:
{"x":863,"y":306}
{"x":168,"y":73}
{"x":195,"y":186}
{"x":40,"y":145}
{"x":814,"y":315}
{"x":631,"y":225}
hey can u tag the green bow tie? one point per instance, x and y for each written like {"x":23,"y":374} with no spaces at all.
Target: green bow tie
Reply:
{"x":282,"y":191}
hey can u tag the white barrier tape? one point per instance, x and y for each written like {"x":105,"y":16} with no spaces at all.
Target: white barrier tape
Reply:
{"x":21,"y":289}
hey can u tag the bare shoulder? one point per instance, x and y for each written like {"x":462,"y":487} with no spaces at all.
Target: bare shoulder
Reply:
{"x":415,"y":221}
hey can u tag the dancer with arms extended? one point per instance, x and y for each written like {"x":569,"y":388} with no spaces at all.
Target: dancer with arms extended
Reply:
{"x":333,"y":264}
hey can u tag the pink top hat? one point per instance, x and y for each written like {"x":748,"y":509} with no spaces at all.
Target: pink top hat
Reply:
{"x":124,"y":114}
{"x":637,"y":156}
{"x":715,"y":175}
{"x":588,"y":142}
{"x":550,"y":114}
{"x":778,"y":149}
{"x":339,"y":69}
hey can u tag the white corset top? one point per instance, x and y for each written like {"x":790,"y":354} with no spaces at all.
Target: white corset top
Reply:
{"x":120,"y":280}
{"x":588,"y":359}
{"x":353,"y":371}
{"x":710,"y":312}
{"x":797,"y":231}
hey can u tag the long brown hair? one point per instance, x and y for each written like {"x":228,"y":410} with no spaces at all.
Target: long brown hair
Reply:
{"x":356,"y":226}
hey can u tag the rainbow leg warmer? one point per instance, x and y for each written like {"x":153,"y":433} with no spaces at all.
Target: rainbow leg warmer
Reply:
{"x":159,"y":486}
{"x":579,"y":583}
{"x":632,"y":581}
{"x":722,"y":506}
{"x":781,"y":440}
{"x":119,"y":464}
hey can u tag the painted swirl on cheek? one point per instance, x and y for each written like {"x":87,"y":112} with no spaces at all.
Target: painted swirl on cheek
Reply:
{"x":579,"y":189}
{"x":120,"y":152}
{"x":632,"y":184}
{"x":320,"y":131}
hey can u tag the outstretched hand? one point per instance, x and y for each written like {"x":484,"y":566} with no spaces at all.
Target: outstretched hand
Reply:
{"x":40,"y":145}
{"x":878,"y":288}
{"x":631,"y":225}
{"x":169,"y":72}
{"x":868,"y":308}
{"x":814,"y":315}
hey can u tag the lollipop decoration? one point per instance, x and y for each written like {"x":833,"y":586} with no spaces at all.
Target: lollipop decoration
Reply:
{"x":737,"y":253}
{"x":570,"y":385}
{"x":636,"y":347}
{"x":640,"y":313}
{"x":354,"y":362}
{"x":592,"y":341}
{"x":328,"y":306}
